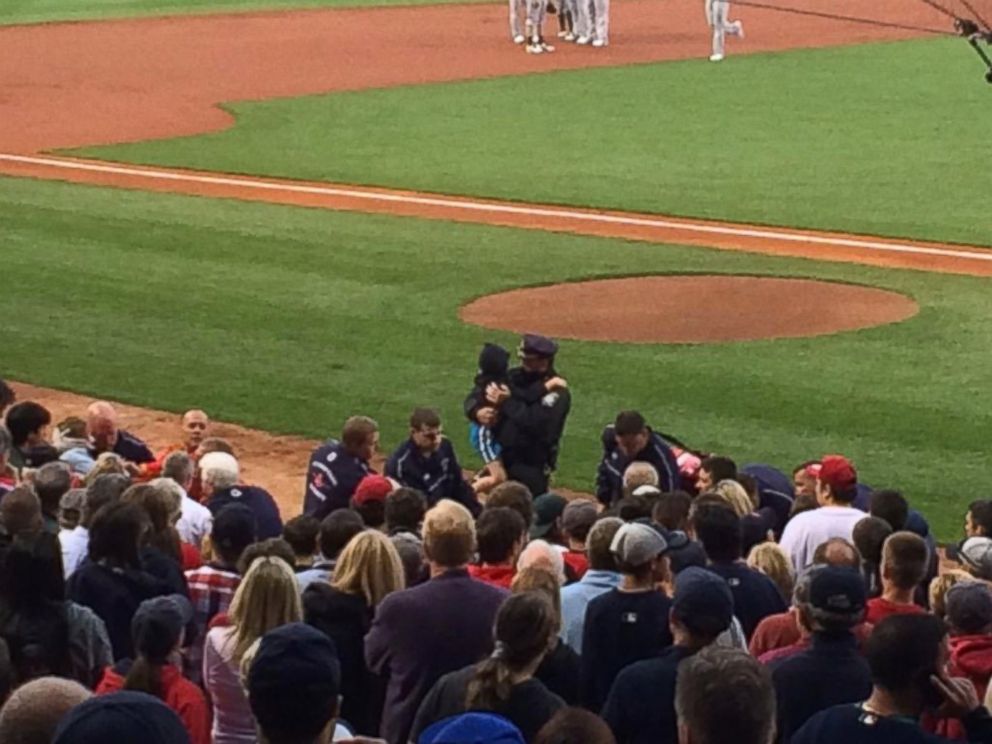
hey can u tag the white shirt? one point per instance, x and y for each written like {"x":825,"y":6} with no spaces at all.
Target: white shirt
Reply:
{"x":807,"y":531}
{"x":195,"y":522}
{"x":75,"y":545}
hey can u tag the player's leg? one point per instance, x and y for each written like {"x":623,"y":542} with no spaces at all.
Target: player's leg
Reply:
{"x":583,"y":21}
{"x":718,"y":19}
{"x":516,"y":33}
{"x":601,"y":34}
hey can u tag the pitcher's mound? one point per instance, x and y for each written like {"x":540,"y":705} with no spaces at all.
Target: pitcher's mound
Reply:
{"x":689,"y":309}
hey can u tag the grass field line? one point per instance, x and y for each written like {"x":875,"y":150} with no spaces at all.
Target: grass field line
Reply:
{"x":731,"y":230}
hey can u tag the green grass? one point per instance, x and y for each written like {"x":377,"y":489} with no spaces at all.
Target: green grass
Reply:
{"x":871,"y":139}
{"x":49,"y":11}
{"x":291,"y":319}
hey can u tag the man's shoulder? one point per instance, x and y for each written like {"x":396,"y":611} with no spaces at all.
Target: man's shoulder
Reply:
{"x":651,"y":673}
{"x":846,"y":722}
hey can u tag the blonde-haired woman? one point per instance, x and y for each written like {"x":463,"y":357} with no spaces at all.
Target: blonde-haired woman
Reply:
{"x":267,"y":597}
{"x":367,"y":570}
{"x":772,"y":561}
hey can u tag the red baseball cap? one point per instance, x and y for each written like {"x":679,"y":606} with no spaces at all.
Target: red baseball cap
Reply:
{"x":837,"y":472}
{"x":372,"y":488}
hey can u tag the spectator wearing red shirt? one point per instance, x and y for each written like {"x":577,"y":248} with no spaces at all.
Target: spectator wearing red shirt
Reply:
{"x":212,"y":587}
{"x":157,"y":631}
{"x":576,"y":521}
{"x":195,"y":425}
{"x":501,"y":534}
{"x":905,"y":558}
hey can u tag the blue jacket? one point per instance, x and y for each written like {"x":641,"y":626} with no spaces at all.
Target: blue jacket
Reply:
{"x":438,"y":476}
{"x":130,"y":448}
{"x":268,"y":523}
{"x":332,"y":477}
{"x":609,"y":479}
{"x":775,"y":492}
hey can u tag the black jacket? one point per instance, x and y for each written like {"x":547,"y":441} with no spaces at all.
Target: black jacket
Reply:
{"x":532,"y":421}
{"x":332,"y":477}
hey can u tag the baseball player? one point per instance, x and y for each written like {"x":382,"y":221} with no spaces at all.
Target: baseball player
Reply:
{"x":566,"y":20}
{"x":593,"y":25}
{"x":717,"y":12}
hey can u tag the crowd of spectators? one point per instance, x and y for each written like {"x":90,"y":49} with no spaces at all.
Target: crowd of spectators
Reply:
{"x":154,"y":595}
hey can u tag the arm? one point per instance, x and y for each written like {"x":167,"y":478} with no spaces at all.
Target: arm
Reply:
{"x":379,"y":641}
{"x":458,"y":487}
{"x":606,"y":481}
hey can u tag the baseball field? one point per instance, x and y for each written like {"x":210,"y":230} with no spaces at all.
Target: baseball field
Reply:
{"x":280,"y":212}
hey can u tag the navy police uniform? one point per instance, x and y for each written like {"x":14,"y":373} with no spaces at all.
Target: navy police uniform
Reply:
{"x":438,"y":475}
{"x":609,"y":479}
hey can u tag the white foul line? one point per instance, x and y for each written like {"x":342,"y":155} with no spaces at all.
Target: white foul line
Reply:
{"x":739,"y":232}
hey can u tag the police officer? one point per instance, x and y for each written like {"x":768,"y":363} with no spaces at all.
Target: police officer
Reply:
{"x":629,"y":439}
{"x":427,"y":462}
{"x":337,"y":467}
{"x":532,"y":410}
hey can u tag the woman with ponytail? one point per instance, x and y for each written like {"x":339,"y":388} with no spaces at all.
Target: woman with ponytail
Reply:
{"x":525,"y":631}
{"x":157,"y":630}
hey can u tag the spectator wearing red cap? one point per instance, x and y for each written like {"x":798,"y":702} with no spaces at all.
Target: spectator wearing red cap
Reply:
{"x":836,"y":487}
{"x":370,"y":500}
{"x":427,"y":462}
{"x":904,"y":564}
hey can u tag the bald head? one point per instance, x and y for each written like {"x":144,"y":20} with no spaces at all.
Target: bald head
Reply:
{"x":101,"y":425}
{"x":34,"y":710}
{"x":20,"y":511}
{"x":837,"y":552}
{"x":195,"y":424}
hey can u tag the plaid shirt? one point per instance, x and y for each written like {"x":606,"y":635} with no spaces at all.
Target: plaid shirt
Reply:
{"x":211,"y":589}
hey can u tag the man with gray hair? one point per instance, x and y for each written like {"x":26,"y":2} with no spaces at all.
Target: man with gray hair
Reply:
{"x":542,"y":554}
{"x":33,"y":712}
{"x":832,"y":670}
{"x":195,"y":519}
{"x":637,"y":474}
{"x":219,"y":473}
{"x":723,"y":696}
{"x":52,"y":481}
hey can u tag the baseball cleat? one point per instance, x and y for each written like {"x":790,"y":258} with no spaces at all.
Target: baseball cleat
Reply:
{"x":569,"y":36}
{"x":546,"y":47}
{"x":599,"y":43}
{"x":535,"y":49}
{"x":716,"y":58}
{"x":562,"y":34}
{"x":583,"y":40}
{"x":738,"y":29}
{"x":519,"y":39}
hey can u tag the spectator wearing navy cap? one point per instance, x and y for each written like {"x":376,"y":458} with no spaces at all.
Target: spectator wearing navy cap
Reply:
{"x":158,"y":632}
{"x":832,"y":671}
{"x":629,"y":439}
{"x":702,"y":609}
{"x":122,"y":717}
{"x":836,"y":487}
{"x":294,"y":683}
{"x":219,"y":473}
{"x":907,"y":655}
{"x":756,"y":596}
{"x":212,"y":587}
{"x":337,"y":467}
{"x":478,"y":728}
{"x":427,"y":462}
{"x":531,"y":426}
{"x":630,"y":622}
{"x":599,"y":579}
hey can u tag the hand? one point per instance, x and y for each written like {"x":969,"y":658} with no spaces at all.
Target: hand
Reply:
{"x":496,"y":394}
{"x":556,"y":383}
{"x":486,"y":416}
{"x":960,"y":696}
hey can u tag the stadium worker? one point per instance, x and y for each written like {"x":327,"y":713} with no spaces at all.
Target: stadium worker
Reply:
{"x":427,"y":462}
{"x":531,"y":429}
{"x":106,"y":436}
{"x":337,"y":467}
{"x":627,"y":440}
